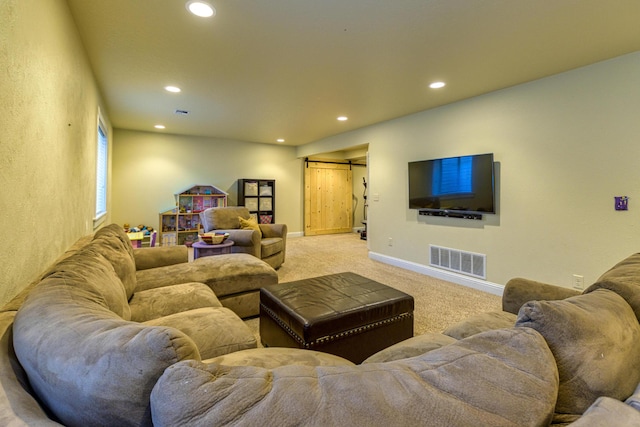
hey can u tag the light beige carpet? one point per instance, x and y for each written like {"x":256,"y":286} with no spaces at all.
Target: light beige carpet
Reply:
{"x":438,"y":303}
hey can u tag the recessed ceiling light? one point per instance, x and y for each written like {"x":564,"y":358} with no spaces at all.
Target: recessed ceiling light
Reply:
{"x":343,"y":118}
{"x":280,"y":140}
{"x":159,"y":126}
{"x":201,"y":8}
{"x":173,"y":89}
{"x":437,"y":85}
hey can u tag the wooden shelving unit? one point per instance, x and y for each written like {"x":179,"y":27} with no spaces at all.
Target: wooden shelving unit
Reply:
{"x":259,"y":196}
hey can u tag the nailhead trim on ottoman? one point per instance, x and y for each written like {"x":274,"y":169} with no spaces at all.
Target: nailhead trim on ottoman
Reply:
{"x":343,"y":314}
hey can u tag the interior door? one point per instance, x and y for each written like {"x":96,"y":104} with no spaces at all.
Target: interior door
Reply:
{"x":327,"y":198}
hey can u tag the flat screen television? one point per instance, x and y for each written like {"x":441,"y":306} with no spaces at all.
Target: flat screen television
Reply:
{"x":455,"y":185}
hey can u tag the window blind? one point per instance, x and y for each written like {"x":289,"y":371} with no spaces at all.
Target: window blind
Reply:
{"x":101,"y":178}
{"x":452,"y":176}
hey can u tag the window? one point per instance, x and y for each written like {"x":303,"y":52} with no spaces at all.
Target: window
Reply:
{"x":452,"y":176}
{"x":102,"y":167}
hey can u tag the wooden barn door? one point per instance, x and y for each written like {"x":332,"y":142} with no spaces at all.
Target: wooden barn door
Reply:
{"x":327,"y":198}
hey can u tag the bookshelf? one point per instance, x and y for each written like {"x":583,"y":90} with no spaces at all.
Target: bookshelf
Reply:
{"x":259,"y":196}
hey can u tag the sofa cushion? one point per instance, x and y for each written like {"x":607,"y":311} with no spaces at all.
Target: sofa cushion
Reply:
{"x":159,"y":302}
{"x":90,"y":271}
{"x":595,"y":339}
{"x":249,"y":224}
{"x":114,"y":230}
{"x":112,"y":242}
{"x":608,"y":412}
{"x":274,"y":357}
{"x":270,"y":246}
{"x":623,"y":279}
{"x":215,"y":331}
{"x":87,"y":364}
{"x":223,"y":218}
{"x":634,"y":399}
{"x":411,"y":347}
{"x":481,"y":322}
{"x":498,"y":378}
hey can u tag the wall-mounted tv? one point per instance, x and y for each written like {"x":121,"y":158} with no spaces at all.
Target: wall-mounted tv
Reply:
{"x":454,"y":186}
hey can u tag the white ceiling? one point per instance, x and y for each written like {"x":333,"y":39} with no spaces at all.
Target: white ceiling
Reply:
{"x":267,"y":69}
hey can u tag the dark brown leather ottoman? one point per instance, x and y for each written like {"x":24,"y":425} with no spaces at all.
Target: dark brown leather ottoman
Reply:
{"x":343,"y":314}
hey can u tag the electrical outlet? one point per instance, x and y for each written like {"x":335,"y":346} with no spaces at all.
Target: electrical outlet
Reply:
{"x":390,"y":241}
{"x":578,"y":282}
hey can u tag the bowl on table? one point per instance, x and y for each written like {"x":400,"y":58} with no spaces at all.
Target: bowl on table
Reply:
{"x":213,"y":238}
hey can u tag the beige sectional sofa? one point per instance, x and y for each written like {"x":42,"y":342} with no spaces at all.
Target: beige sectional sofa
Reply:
{"x":556,"y":356}
{"x":90,"y":352}
{"x":92,"y":335}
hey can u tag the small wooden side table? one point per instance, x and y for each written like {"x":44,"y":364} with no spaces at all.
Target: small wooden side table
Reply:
{"x":201,"y":249}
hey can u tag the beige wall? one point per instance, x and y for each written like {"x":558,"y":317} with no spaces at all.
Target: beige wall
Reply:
{"x":565,"y":146}
{"x":48,"y":124}
{"x":149,"y":168}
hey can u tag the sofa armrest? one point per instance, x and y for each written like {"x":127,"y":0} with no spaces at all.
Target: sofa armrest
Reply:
{"x":518,"y":291}
{"x":274,"y":230}
{"x":161,"y":256}
{"x":18,"y":406}
{"x":245,"y":241}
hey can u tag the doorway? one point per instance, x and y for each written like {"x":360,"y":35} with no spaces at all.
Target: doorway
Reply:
{"x":328,"y":192}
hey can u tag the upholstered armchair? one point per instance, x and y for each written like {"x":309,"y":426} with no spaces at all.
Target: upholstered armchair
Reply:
{"x":266,"y":241}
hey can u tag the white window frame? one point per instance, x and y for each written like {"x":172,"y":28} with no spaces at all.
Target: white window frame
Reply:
{"x":102,"y":171}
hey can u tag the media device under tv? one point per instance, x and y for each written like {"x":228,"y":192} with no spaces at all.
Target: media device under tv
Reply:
{"x":460,"y":187}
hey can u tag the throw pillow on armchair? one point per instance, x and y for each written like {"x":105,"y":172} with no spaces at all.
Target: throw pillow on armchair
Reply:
{"x":249,"y":224}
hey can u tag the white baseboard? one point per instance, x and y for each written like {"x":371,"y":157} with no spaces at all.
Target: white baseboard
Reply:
{"x":470,"y":282}
{"x":301,"y":233}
